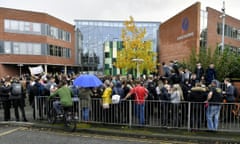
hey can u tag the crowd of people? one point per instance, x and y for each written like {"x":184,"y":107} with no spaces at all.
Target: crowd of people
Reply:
{"x":173,"y":87}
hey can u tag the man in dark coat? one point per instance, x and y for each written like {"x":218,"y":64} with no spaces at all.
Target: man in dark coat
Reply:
{"x":199,"y":71}
{"x":4,"y":95}
{"x":18,"y":100}
{"x":198,"y":95}
{"x":210,"y":74}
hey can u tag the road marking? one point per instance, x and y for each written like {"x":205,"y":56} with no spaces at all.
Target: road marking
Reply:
{"x":11,"y":131}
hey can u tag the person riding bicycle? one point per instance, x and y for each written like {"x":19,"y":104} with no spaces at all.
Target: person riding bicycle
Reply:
{"x":65,"y":94}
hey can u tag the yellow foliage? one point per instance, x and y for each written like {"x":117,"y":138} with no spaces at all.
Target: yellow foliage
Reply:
{"x":135,"y":48}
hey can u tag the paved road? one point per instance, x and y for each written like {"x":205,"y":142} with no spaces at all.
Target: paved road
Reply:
{"x":23,"y":135}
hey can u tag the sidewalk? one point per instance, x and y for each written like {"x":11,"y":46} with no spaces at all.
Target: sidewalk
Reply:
{"x":136,"y":132}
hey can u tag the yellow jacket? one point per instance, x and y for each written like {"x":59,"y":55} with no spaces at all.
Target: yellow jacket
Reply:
{"x":106,"y":97}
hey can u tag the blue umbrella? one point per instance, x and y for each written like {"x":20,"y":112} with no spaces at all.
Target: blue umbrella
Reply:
{"x":87,"y":80}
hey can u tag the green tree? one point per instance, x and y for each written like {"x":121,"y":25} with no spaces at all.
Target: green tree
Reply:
{"x":204,"y":57}
{"x":135,"y":47}
{"x":227,"y":63}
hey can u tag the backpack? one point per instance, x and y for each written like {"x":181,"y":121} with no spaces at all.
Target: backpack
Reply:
{"x":233,"y":94}
{"x":151,"y":91}
{"x":16,"y":89}
{"x":217,"y":92}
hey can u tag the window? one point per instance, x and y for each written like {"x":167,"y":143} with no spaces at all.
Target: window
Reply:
{"x":51,"y":47}
{"x":64,"y":35}
{"x":229,"y":31}
{"x":68,"y":37}
{"x":54,"y":32}
{"x":27,"y":26}
{"x":64,"y":52}
{"x":7,"y":47}
{"x":238,"y":34}
{"x":22,"y":27}
{"x":60,"y":34}
{"x":16,"y":48}
{"x":36,"y":49}
{"x":107,"y":55}
{"x":56,"y":51}
{"x":36,"y":27}
{"x":29,"y":48}
{"x":7,"y":24}
{"x":23,"y":48}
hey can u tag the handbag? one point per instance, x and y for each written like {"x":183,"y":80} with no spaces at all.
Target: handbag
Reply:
{"x":115,"y":99}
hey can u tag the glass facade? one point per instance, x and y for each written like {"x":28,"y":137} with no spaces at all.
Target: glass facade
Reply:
{"x":25,"y":27}
{"x":203,"y":28}
{"x":96,"y":33}
{"x":24,"y":48}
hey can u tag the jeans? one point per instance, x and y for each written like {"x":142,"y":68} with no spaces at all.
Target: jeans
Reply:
{"x":85,"y":113}
{"x":139,"y":109}
{"x":213,"y":112}
{"x":57,"y":107}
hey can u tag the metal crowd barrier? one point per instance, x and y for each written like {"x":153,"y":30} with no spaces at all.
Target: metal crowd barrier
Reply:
{"x":185,"y":115}
{"x":42,"y":106}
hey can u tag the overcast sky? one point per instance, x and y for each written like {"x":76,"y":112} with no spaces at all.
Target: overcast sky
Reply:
{"x":141,"y":10}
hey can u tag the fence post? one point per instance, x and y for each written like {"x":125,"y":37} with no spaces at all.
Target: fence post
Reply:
{"x":189,"y":115}
{"x":35,"y":107}
{"x":79,"y":111}
{"x":130,"y":113}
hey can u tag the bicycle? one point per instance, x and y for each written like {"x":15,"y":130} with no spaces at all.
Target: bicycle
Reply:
{"x":67,"y":116}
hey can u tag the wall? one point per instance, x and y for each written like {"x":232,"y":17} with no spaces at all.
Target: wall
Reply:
{"x":35,"y":59}
{"x":178,"y":35}
{"x":213,"y":39}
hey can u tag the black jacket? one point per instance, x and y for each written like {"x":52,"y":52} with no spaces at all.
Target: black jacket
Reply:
{"x":198,"y":94}
{"x":4,"y":92}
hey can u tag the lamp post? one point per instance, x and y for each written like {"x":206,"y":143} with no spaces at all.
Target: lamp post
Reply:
{"x":223,"y":24}
{"x":138,"y":61}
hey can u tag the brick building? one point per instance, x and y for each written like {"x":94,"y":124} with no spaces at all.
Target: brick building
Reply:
{"x":29,"y":39}
{"x":196,"y":28}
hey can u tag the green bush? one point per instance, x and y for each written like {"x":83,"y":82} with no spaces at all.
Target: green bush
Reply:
{"x":227,"y":63}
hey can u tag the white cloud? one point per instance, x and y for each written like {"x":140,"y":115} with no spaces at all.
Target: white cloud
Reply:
{"x":142,"y":10}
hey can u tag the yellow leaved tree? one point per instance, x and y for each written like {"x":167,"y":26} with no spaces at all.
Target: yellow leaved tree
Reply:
{"x":137,"y":53}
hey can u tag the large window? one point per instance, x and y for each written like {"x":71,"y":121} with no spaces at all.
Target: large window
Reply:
{"x":59,"y":34}
{"x":26,"y":48}
{"x":25,"y":27}
{"x":58,"y":51}
{"x":22,"y":27}
{"x":23,"y":48}
{"x":229,"y":31}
